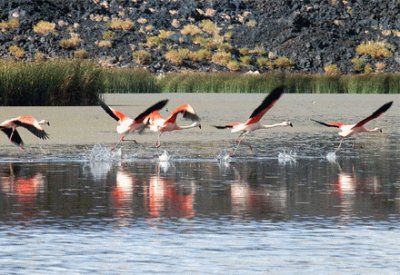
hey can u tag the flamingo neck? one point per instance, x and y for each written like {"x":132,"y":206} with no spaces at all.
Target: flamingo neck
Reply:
{"x":282,"y":124}
{"x":193,"y":125}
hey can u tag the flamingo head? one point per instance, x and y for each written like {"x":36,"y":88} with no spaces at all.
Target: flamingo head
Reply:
{"x":288,"y":123}
{"x":44,"y":122}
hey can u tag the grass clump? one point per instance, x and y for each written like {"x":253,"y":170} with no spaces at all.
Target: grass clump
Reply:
{"x":375,"y":49}
{"x":71,"y":43}
{"x":11,"y":24}
{"x":332,"y":69}
{"x":209,"y":27}
{"x":120,"y":24}
{"x":191,"y":30}
{"x":358,"y":64}
{"x":104,"y":44}
{"x":44,"y":27}
{"x":16,"y":51}
{"x":81,"y":54}
{"x":283,"y":62}
{"x":141,"y":57}
{"x":177,"y":57}
{"x":221,"y":58}
{"x":53,"y":83}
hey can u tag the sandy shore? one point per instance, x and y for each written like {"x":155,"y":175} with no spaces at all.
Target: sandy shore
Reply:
{"x":87,"y":125}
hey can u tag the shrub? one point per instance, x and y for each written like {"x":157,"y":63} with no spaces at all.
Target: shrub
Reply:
{"x":191,"y":30}
{"x":72,"y":42}
{"x":120,"y":24}
{"x":9,"y":25}
{"x":233,"y":65}
{"x":245,"y":60}
{"x":163,"y":34}
{"x":221,"y":58}
{"x":260,"y":50}
{"x":209,"y":27}
{"x":81,"y":54}
{"x":358,"y":64}
{"x":39,"y":57}
{"x":176,"y":57}
{"x":200,"y":55}
{"x":108,"y":35}
{"x":16,"y":51}
{"x":264,"y":62}
{"x":104,"y":43}
{"x":332,"y":70}
{"x":380,"y":67}
{"x":44,"y":27}
{"x":153,"y":41}
{"x":368,"y":69}
{"x":141,"y":57}
{"x":283,"y":62}
{"x":244,"y":51}
{"x":376,"y":49}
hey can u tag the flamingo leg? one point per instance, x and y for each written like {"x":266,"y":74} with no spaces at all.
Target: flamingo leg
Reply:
{"x":158,"y":143}
{"x":341,"y":140}
{"x":12,"y":133}
{"x":120,"y":140}
{"x":238,"y":141}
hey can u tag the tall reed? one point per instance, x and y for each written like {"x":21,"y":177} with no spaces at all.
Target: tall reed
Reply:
{"x":50,"y":83}
{"x":116,"y":80}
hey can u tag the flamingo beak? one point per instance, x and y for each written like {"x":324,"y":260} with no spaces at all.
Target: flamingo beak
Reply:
{"x":290,"y":124}
{"x":48,"y":123}
{"x":200,"y":126}
{"x":380,"y":131}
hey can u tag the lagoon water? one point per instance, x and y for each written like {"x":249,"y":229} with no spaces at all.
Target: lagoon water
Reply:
{"x":290,"y":206}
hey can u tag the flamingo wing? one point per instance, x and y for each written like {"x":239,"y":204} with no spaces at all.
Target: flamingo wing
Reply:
{"x":330,"y":124}
{"x":267,"y":104}
{"x":376,"y":114}
{"x":228,"y":126}
{"x":158,"y":106}
{"x":187,"y":112}
{"x":113,"y":113}
{"x":16,"y":138}
{"x":32,"y":125}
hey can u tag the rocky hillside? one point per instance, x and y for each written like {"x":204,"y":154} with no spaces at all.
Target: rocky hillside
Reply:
{"x":228,"y":35}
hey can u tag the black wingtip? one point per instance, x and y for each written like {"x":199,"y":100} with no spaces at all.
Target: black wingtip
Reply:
{"x":157,"y":106}
{"x":222,"y":127}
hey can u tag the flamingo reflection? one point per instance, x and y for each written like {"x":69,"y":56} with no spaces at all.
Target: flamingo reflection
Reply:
{"x":257,"y":198}
{"x":24,"y":190}
{"x":168,"y":198}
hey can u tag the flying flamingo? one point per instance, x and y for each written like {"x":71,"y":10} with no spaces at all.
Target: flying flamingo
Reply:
{"x":127,"y":125}
{"x":157,"y":123}
{"x":347,"y":130}
{"x":9,"y":127}
{"x":253,"y":123}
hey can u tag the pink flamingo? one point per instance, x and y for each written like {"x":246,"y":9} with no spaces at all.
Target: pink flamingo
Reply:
{"x":160,"y":125}
{"x":127,"y":125}
{"x":253,"y":123}
{"x":347,"y":130}
{"x":9,"y":127}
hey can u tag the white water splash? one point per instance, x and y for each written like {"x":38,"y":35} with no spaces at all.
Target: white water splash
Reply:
{"x":224,"y":157}
{"x":100,"y":153}
{"x":287,"y":157}
{"x":331,"y":156}
{"x":164,"y":157}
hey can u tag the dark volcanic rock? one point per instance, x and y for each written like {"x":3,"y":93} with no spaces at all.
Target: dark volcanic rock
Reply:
{"x":311,"y":33}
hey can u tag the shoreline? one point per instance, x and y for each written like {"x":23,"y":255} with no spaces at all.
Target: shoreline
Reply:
{"x":83,"y":125}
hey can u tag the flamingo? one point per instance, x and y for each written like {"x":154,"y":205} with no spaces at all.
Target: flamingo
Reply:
{"x":347,"y":130}
{"x":127,"y":125}
{"x":253,"y":123}
{"x":157,"y":123}
{"x":9,"y":127}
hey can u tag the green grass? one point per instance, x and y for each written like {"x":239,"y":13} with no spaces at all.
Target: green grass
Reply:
{"x":129,"y":81}
{"x":54,"y":83}
{"x":61,"y":82}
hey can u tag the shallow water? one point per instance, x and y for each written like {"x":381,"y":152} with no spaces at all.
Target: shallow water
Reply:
{"x":289,"y":206}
